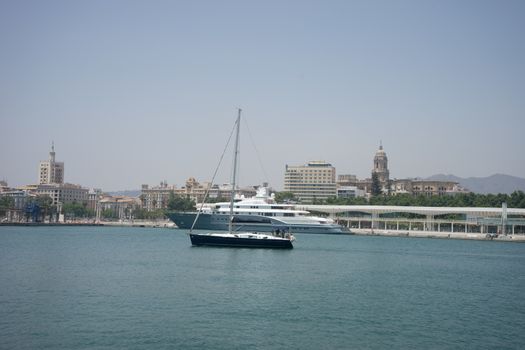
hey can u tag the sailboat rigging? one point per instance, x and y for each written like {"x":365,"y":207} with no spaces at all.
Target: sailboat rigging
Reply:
{"x":238,"y":239}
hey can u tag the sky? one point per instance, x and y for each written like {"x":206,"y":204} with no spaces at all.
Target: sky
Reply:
{"x":136,"y":92}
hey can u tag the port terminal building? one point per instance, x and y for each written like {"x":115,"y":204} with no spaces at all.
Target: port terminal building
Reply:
{"x":425,"y":219}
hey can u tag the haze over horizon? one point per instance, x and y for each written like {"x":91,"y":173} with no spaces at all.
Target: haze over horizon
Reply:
{"x":135,"y":92}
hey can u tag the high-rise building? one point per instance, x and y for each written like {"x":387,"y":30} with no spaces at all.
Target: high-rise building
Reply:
{"x":50,"y":171}
{"x":51,"y":183}
{"x":311,"y":182}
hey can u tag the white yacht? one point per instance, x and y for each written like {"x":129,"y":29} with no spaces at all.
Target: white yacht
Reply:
{"x":257,"y":214}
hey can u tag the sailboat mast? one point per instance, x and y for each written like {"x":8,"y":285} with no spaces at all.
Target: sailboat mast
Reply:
{"x":235,"y":156}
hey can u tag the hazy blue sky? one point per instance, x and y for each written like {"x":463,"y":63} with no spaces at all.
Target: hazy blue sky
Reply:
{"x":136,"y":92}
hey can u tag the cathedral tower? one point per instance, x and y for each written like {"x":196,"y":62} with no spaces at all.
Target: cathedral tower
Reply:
{"x":381,"y":166}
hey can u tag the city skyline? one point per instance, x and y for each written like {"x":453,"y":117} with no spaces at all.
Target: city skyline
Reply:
{"x":135,"y":93}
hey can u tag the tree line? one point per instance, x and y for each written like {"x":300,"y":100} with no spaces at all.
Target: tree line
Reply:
{"x":46,"y":209}
{"x":41,"y":208}
{"x":514,"y":200}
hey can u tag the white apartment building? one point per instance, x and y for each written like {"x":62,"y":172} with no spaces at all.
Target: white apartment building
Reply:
{"x":50,"y":171}
{"x":61,"y":193}
{"x":349,"y":192}
{"x":121,"y":206}
{"x":311,"y":182}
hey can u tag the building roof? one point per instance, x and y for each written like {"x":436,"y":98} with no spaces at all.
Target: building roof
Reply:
{"x":384,"y":209}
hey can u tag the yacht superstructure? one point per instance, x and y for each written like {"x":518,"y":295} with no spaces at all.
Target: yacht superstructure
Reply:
{"x":260,"y":214}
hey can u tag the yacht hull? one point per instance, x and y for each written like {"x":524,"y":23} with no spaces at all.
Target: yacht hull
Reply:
{"x":240,"y":242}
{"x":251,"y":223}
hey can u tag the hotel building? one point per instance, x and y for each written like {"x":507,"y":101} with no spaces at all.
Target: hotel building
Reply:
{"x":311,"y":182}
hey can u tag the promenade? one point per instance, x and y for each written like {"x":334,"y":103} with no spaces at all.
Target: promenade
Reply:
{"x":435,"y":222}
{"x":123,"y":223}
{"x":441,"y":235}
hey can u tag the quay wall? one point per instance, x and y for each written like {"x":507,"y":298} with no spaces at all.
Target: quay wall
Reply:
{"x":134,"y":223}
{"x":440,"y":235}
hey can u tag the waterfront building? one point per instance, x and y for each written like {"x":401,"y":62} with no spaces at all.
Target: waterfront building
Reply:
{"x":196,"y":191}
{"x":20,"y":200}
{"x":62,"y":193}
{"x":349,"y":192}
{"x":365,"y":185}
{"x":223,"y":192}
{"x":20,"y":197}
{"x":347,"y":186}
{"x":120,"y":207}
{"x":444,"y":222}
{"x":94,"y":195}
{"x":216,"y":192}
{"x":51,"y":171}
{"x":347,"y":180}
{"x":156,"y":197}
{"x":426,"y":187}
{"x":311,"y":182}
{"x":250,"y":191}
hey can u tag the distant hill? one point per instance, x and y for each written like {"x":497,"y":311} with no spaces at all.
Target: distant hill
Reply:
{"x":129,"y":193}
{"x":497,"y":183}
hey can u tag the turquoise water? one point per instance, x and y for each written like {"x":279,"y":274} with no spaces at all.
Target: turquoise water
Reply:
{"x":138,"y":288}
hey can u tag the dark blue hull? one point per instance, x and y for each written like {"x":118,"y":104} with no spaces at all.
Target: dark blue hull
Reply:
{"x":250,"y":223}
{"x":218,"y":241}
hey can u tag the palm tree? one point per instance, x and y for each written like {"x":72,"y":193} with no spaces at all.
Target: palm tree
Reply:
{"x":46,"y":205}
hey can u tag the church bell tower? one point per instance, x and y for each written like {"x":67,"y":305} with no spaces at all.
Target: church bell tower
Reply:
{"x":381,"y":165}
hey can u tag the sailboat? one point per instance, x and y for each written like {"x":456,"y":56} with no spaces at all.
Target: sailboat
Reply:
{"x":233,"y":238}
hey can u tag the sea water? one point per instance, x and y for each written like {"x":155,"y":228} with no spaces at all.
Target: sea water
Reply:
{"x":140,"y":288}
